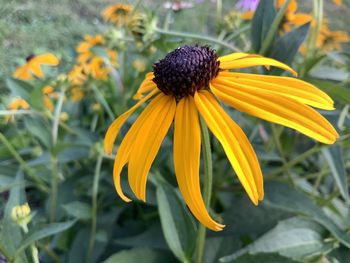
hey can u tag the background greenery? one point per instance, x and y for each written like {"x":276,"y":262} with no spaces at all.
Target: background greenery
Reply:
{"x":305,"y":216}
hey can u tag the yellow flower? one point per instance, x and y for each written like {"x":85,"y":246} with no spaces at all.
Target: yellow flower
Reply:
{"x":18,"y":103}
{"x":33,"y":66}
{"x":77,"y":76}
{"x":117,"y":14}
{"x":291,"y":17}
{"x":77,"y":94}
{"x":84,"y":48}
{"x":338,"y":2}
{"x":48,"y":92}
{"x":97,"y":68}
{"x":191,"y":80}
{"x":331,"y":40}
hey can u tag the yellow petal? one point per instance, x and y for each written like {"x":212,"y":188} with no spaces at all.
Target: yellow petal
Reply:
{"x":22,"y":73}
{"x":47,"y":59}
{"x":236,"y":145}
{"x":36,"y":69}
{"x":48,"y":103}
{"x":146,"y":86}
{"x":124,"y":150}
{"x":187,"y":145}
{"x":252,"y":61}
{"x":289,"y":87}
{"x":235,"y":56}
{"x":114,"y":128}
{"x":278,"y":109}
{"x":147,"y":143}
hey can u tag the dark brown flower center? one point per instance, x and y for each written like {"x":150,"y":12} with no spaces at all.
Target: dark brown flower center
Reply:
{"x":30,"y":57}
{"x":185,"y":70}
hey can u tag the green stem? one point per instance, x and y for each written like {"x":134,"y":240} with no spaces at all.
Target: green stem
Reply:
{"x":207,"y":187}
{"x":218,"y":12}
{"x":100,"y":98}
{"x":195,"y":36}
{"x":94,"y":207}
{"x":295,"y":161}
{"x":54,"y":159}
{"x":39,"y":183}
{"x":273,"y":29}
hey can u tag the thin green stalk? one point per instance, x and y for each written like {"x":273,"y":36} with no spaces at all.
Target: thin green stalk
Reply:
{"x":195,"y":36}
{"x":38,"y":182}
{"x":54,"y":159}
{"x":103,"y":102}
{"x":218,"y":12}
{"x":276,"y":138}
{"x":207,"y":187}
{"x":295,"y":161}
{"x":273,"y":29}
{"x":94,"y":207}
{"x":16,"y":112}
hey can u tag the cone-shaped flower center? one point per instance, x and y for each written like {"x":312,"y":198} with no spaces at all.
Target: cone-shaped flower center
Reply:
{"x":185,"y":70}
{"x":30,"y":57}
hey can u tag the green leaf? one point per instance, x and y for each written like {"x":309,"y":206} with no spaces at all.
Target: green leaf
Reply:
{"x":330,"y":73}
{"x":40,"y":129}
{"x":10,"y":233}
{"x":78,"y":209}
{"x":43,"y":231}
{"x":294,"y":238}
{"x":143,"y":255}
{"x":336,"y":91}
{"x":177,"y":223}
{"x":262,"y":21}
{"x":264,"y":258}
{"x":334,"y":158}
{"x":286,"y":198}
{"x":291,"y":42}
{"x":19,"y":88}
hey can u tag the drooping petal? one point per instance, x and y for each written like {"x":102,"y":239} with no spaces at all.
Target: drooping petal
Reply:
{"x":278,"y":109}
{"x":114,"y":128}
{"x":47,"y":59}
{"x":236,"y":145}
{"x":147,"y":143}
{"x":254,"y":60}
{"x":22,"y":72}
{"x":187,"y":145}
{"x":126,"y":145}
{"x":289,"y":87}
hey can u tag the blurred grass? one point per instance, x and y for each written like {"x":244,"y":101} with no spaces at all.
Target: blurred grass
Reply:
{"x":28,"y":26}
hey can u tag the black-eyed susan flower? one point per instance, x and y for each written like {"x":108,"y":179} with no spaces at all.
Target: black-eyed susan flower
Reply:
{"x":338,"y":2}
{"x":77,"y":76}
{"x":291,"y":18}
{"x":117,"y":14}
{"x":33,"y":64}
{"x":331,"y":40}
{"x":48,"y":94}
{"x":16,"y":104}
{"x":191,"y":81}
{"x":76,"y":94}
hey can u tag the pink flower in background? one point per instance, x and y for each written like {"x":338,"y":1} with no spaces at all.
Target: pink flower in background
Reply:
{"x":247,"y":5}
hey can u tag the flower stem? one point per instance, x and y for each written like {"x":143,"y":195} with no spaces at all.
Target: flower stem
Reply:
{"x":207,"y":187}
{"x":195,"y":36}
{"x":273,"y":29}
{"x":94,"y":207}
{"x":39,"y":183}
{"x":54,"y":159}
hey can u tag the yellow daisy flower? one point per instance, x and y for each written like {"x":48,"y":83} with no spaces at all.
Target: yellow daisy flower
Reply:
{"x":77,"y":76}
{"x":48,"y":93}
{"x":190,"y":81}
{"x":117,"y":14}
{"x":18,"y":103}
{"x":33,"y":66}
{"x":291,"y":17}
{"x":331,"y":40}
{"x":84,"y":48}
